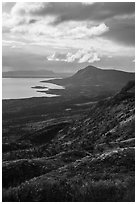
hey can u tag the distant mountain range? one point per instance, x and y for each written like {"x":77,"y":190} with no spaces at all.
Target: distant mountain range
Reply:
{"x":93,"y":81}
{"x":33,"y":74}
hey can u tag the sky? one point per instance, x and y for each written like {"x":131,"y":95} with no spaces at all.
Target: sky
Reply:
{"x":68,"y":36}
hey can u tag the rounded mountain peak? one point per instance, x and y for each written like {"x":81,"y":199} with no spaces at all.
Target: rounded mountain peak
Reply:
{"x":88,"y":71}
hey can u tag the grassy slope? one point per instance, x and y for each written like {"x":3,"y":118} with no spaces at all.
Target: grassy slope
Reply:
{"x":92,"y":159}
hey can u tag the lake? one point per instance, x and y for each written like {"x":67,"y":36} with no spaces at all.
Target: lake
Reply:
{"x":16,"y":88}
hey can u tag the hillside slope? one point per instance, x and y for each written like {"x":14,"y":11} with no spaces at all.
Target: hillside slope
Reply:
{"x":92,"y":159}
{"x":92,"y":81}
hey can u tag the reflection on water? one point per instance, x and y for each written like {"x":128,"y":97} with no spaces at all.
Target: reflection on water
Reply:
{"x":15,"y":88}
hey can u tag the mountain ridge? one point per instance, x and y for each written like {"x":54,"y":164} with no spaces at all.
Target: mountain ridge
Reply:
{"x":33,"y":74}
{"x":92,"y":81}
{"x":91,"y":70}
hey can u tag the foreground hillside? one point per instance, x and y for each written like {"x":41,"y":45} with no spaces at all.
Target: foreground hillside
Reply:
{"x":90,"y":158}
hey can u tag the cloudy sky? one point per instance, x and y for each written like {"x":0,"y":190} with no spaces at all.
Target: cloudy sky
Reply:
{"x":67,"y":36}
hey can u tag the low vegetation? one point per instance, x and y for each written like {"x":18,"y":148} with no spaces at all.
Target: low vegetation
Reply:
{"x":86,"y":154}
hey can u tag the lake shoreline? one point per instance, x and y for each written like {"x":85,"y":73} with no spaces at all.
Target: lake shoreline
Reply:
{"x":22,"y":88}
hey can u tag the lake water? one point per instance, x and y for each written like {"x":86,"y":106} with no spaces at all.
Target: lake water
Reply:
{"x":15,"y":88}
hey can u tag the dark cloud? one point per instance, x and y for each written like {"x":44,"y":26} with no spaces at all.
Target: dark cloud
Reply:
{"x":78,"y":11}
{"x":121,"y":30}
{"x":110,"y":13}
{"x":31,"y":21}
{"x":118,"y":16}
